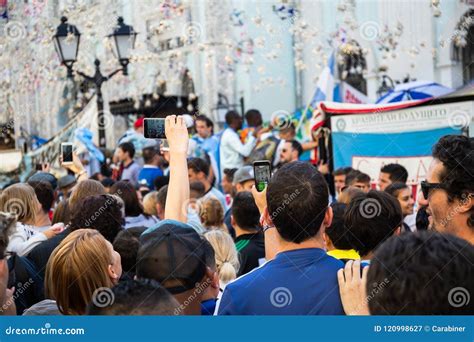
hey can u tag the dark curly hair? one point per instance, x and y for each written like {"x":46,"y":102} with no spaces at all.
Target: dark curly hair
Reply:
{"x":422,"y":273}
{"x":100,"y":212}
{"x":456,"y":152}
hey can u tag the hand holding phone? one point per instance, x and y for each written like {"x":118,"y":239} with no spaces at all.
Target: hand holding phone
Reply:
{"x":66,"y":153}
{"x":154,"y":128}
{"x":70,"y":160}
{"x":262,"y":172}
{"x":177,"y":134}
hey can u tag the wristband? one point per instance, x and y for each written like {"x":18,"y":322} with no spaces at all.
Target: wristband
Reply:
{"x":265,"y":227}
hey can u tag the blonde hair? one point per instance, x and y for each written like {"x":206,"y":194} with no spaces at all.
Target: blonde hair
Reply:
{"x":86,"y":188}
{"x":211,"y":214}
{"x":149,"y":203}
{"x":21,"y":200}
{"x":226,"y":255}
{"x":76,"y":268}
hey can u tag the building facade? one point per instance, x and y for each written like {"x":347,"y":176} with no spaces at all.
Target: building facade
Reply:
{"x":236,"y":54}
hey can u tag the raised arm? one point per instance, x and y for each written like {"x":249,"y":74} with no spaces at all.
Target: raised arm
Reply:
{"x":269,"y":230}
{"x":178,"y":189}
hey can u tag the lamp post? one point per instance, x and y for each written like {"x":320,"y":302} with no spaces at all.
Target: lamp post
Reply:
{"x":384,"y":87}
{"x":66,"y":42}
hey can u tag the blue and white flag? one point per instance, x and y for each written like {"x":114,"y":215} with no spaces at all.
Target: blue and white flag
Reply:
{"x":327,"y":90}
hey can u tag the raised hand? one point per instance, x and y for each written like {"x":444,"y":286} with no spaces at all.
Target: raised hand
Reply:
{"x":352,"y":287}
{"x":177,"y":134}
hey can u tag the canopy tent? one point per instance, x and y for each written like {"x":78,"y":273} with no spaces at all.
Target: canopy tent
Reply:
{"x":417,"y":90}
{"x":369,"y":136}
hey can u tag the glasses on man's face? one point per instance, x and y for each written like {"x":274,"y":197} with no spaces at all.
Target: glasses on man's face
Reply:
{"x":427,"y":187}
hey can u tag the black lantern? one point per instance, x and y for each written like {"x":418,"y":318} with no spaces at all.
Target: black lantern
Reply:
{"x":124,"y":38}
{"x":66,"y":42}
{"x":384,"y":87}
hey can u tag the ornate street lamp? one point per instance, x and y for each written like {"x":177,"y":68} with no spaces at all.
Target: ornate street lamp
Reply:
{"x":67,"y":46}
{"x":66,"y":42}
{"x":384,"y":87}
{"x":124,"y":37}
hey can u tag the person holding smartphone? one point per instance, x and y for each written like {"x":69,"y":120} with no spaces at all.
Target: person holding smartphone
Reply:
{"x":299,"y":278}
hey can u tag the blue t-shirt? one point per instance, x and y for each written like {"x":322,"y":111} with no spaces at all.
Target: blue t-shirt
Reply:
{"x":149,"y":174}
{"x":297,"y":282}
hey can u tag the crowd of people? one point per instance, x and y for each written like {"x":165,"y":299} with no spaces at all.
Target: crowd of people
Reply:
{"x":182,"y":230}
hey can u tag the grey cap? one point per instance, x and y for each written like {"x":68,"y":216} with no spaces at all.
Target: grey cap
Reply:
{"x":44,"y":177}
{"x":243,"y":174}
{"x":66,"y":181}
{"x":151,"y":144}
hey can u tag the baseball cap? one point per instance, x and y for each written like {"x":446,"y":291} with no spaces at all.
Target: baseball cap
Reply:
{"x":138,"y":123}
{"x":44,"y":177}
{"x":173,"y":252}
{"x":243,"y":174}
{"x":66,"y":181}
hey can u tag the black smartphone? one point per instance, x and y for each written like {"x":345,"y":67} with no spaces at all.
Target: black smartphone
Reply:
{"x":66,"y":152}
{"x":154,"y":128}
{"x":39,"y":166}
{"x":262,"y":170}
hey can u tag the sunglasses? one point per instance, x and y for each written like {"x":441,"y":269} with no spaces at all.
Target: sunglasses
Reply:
{"x":426,"y":188}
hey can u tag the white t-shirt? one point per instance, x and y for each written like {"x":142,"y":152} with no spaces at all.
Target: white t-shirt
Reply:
{"x":24,"y":238}
{"x":232,"y":151}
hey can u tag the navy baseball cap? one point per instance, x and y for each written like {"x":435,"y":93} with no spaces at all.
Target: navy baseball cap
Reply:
{"x":173,"y":254}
